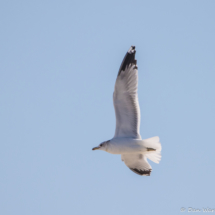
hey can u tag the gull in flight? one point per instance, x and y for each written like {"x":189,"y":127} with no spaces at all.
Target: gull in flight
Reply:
{"x":127,"y":140}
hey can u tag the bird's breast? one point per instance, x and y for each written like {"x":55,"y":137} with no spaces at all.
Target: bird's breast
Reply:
{"x":125,"y":145}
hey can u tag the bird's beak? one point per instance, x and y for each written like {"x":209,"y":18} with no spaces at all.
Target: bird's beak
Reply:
{"x":95,"y":148}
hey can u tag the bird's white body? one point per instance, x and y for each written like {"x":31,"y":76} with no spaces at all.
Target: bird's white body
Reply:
{"x":125,"y":146}
{"x":127,"y":140}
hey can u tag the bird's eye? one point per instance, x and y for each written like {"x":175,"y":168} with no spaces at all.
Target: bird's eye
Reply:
{"x":100,"y":144}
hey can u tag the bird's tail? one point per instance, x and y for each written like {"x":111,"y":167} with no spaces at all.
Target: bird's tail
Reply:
{"x":153,"y":146}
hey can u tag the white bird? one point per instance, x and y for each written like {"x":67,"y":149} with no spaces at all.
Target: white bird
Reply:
{"x":127,"y":140}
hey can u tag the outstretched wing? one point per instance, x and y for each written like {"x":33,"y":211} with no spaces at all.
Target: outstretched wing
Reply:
{"x":125,"y":98}
{"x":137,"y":163}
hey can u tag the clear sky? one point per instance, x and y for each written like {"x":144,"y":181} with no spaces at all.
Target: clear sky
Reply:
{"x":58,"y":66}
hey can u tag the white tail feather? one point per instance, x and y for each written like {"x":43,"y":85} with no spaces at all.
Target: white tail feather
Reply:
{"x":153,"y":142}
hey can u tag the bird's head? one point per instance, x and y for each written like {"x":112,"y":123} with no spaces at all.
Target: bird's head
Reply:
{"x":103,"y":146}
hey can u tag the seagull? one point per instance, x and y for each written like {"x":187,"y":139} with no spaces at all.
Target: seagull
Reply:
{"x":127,"y":140}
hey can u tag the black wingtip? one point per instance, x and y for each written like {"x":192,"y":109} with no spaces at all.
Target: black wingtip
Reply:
{"x":128,"y":59}
{"x":142,"y":172}
{"x":132,"y":50}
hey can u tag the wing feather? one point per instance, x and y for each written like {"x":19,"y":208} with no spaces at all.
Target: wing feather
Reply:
{"x":137,"y":163}
{"x":125,"y":98}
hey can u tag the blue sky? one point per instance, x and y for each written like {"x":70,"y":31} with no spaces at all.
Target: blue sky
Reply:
{"x":58,"y":66}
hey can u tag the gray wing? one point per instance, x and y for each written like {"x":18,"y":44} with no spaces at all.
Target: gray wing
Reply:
{"x":137,"y":163}
{"x":125,"y":98}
